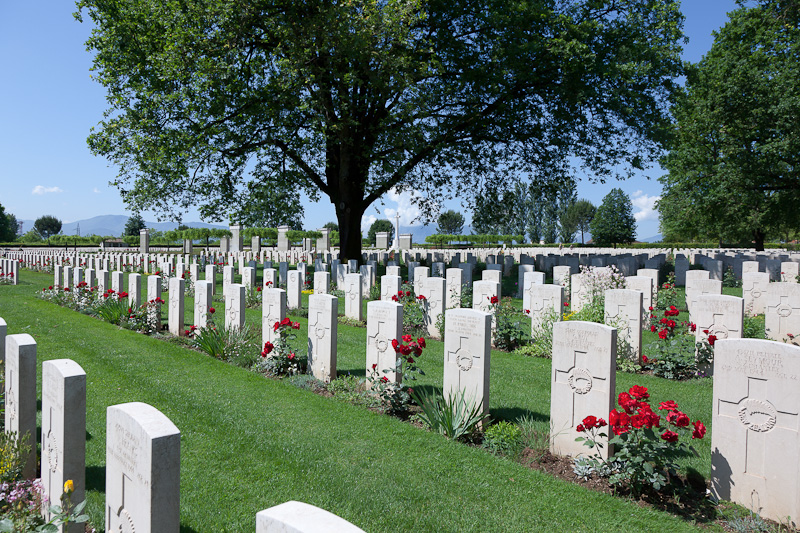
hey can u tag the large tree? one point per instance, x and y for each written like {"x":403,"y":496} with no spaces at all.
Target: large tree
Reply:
{"x":8,"y":226}
{"x":613,"y":222}
{"x":579,"y":215}
{"x":134,"y":225}
{"x":352,"y":99}
{"x":450,"y":223}
{"x":734,"y":165}
{"x":47,"y":226}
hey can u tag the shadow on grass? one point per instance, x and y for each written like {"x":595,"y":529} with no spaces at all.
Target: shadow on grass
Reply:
{"x":96,"y":478}
{"x":515,"y":414}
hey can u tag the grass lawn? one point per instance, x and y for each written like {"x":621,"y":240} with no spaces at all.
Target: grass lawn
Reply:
{"x":249,"y":443}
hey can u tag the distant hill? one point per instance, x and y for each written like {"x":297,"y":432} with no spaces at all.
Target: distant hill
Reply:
{"x":654,"y":238}
{"x":114,"y":225}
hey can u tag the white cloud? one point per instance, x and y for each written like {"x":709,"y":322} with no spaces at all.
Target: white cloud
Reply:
{"x":366,"y":222}
{"x":408,"y":211}
{"x":96,"y":190}
{"x":645,"y":206}
{"x":40,"y":189}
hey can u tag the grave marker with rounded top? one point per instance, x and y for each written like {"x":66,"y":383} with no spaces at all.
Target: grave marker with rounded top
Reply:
{"x":273,"y":310}
{"x":64,"y":431}
{"x":582,"y":382}
{"x":467,"y":356}
{"x":234,"y":306}
{"x":782,"y":313}
{"x":322,"y":282}
{"x":623,"y":310}
{"x":20,"y":389}
{"x":718,"y":315}
{"x":755,"y":458}
{"x":299,"y":517}
{"x":175,"y":320}
{"x":294,"y":289}
{"x":353,"y":297}
{"x":754,"y":292}
{"x":142,"y":470}
{"x":435,"y":292}
{"x":529,"y":279}
{"x":545,"y":300}
{"x":454,"y":287}
{"x":202,"y":302}
{"x":322,"y":333}
{"x":384,"y":324}
{"x":390,"y":286}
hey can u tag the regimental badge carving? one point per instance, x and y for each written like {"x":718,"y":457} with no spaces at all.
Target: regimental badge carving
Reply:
{"x":756,"y":293}
{"x":580,"y":380}
{"x":784,"y":310}
{"x":464,"y":360}
{"x":757,"y":415}
{"x":52,"y":453}
{"x":721,"y":332}
{"x":125,"y":522}
{"x":381,"y":343}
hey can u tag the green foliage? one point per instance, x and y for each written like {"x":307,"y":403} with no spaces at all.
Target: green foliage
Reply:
{"x":456,"y":417}
{"x":13,"y":453}
{"x":734,"y":164}
{"x":450,"y":223}
{"x":268,"y":201}
{"x":729,"y":279}
{"x":479,"y":239}
{"x":613,"y":222}
{"x":580,"y":214}
{"x":8,"y":226}
{"x":237,"y":345}
{"x":503,"y":438}
{"x":754,"y":327}
{"x":47,"y":226}
{"x":380,"y":225}
{"x":672,"y":358}
{"x":384,"y":97}
{"x":30,"y":237}
{"x":134,"y":225}
{"x":510,"y":326}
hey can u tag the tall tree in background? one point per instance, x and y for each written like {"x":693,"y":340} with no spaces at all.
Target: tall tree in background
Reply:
{"x":734,"y":165}
{"x":134,"y":225}
{"x":47,"y":226}
{"x":8,"y":226}
{"x":450,"y":223}
{"x":580,"y":214}
{"x":353,"y":99}
{"x":566,"y":226}
{"x":613,"y":221}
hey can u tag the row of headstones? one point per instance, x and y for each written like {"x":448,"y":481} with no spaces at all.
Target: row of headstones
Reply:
{"x":755,"y":417}
{"x":9,"y":270}
{"x":142,"y":449}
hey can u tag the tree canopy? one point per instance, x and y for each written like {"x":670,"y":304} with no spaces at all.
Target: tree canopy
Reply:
{"x":450,"y":222}
{"x":8,"y":226}
{"x":380,"y":225}
{"x":580,"y":215}
{"x":734,"y":164}
{"x":613,"y":222}
{"x":134,"y":225}
{"x":211,"y":101}
{"x":47,"y":226}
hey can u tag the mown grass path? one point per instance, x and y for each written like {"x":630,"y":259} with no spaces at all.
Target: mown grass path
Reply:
{"x":249,"y":443}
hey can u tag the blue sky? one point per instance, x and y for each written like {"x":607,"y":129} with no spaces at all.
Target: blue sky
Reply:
{"x":48,"y":104}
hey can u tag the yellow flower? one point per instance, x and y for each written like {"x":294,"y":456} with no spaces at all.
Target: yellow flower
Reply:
{"x":69,"y":487}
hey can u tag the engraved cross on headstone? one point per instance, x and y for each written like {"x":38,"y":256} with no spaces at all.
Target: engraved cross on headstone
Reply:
{"x":464,"y":361}
{"x":784,"y":310}
{"x":758,"y":416}
{"x":579,"y":377}
{"x":124,"y":518}
{"x":387,"y":358}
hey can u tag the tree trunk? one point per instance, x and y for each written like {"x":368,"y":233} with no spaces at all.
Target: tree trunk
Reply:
{"x":349,"y":218}
{"x":758,"y":237}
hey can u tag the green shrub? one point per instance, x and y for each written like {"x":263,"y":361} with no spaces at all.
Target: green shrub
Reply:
{"x":503,"y":439}
{"x":455,"y":417}
{"x":510,"y":329}
{"x":754,"y":327}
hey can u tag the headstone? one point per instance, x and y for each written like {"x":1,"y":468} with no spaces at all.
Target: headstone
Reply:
{"x":523,"y":269}
{"x":294,"y":289}
{"x":270,"y":278}
{"x":283,"y":271}
{"x":134,"y":290}
{"x":341,"y":272}
{"x":58,"y":276}
{"x":454,"y":287}
{"x":390,"y":286}
{"x":273,"y":310}
{"x":420,"y":275}
{"x":755,"y":443}
{"x":249,"y":278}
{"x":493,"y":275}
{"x":116,"y":281}
{"x":782,"y":313}
{"x":322,"y":333}
{"x":482,"y":293}
{"x":175,"y":314}
{"x":353,"y":297}
{"x":322,"y":282}
{"x":650,"y":273}
{"x":3,"y":329}
{"x":643,"y":284}
{"x":528,"y":281}
{"x":545,"y":300}
{"x":234,"y":306}
{"x":467,"y":356}
{"x":561,"y":275}
{"x":435,"y":292}
{"x":299,"y":517}
{"x":384,"y":324}
{"x":466,"y":279}
{"x":211,"y":276}
{"x":202,"y":303}
{"x":789,"y":271}
{"x":583,"y":382}
{"x":580,"y":294}
{"x":227,"y":278}
{"x":681,"y":268}
{"x":623,"y":310}
{"x":283,"y":240}
{"x":20,"y":388}
{"x":754,"y":292}
{"x":142,"y":470}
{"x":719,"y":315}
{"x":392,"y":270}
{"x":700,"y":288}
{"x":64,"y":431}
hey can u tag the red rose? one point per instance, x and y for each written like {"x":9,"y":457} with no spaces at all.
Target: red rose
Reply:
{"x":421,"y":342}
{"x":268,"y":347}
{"x":566,"y":304}
{"x":580,"y":428}
{"x":374,"y":366}
{"x":638,"y":421}
{"x":681,"y":419}
{"x":639,"y":392}
{"x":295,"y":325}
{"x":291,"y":356}
{"x":590,"y":422}
{"x":395,"y":344}
{"x":407,"y":338}
{"x":410,"y":360}
{"x":286,"y":322}
{"x":385,"y":379}
{"x":699,"y":430}
{"x":619,"y":422}
{"x":645,"y":359}
{"x":626,"y":402}
{"x":394,"y":298}
{"x":662,"y":334}
{"x":670,"y":405}
{"x":712,"y":339}
{"x":494,"y":300}
{"x":669,"y":436}
{"x":653,"y":328}
{"x":211,"y":310}
{"x":601,"y":423}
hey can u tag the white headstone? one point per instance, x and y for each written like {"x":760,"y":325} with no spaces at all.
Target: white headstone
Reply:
{"x":623,"y":310}
{"x":270,"y":278}
{"x":454,"y":287}
{"x":298,"y":517}
{"x":322,"y":282}
{"x":134,"y":290}
{"x":782,"y":314}
{"x":582,"y":383}
{"x":202,"y":302}
{"x":273,"y":310}
{"x":234,"y":306}
{"x":322,"y":333}
{"x":64,"y":431}
{"x":719,"y":315}
{"x":142,"y":470}
{"x":294,"y":289}
{"x":211,"y":275}
{"x":384,"y":324}
{"x":435,"y":292}
{"x":754,"y":292}
{"x":353,"y":297}
{"x":530,"y":279}
{"x":390,"y":286}
{"x":175,"y":318}
{"x":755,"y":459}
{"x":20,"y":391}
{"x":545,"y":300}
{"x":467,"y":356}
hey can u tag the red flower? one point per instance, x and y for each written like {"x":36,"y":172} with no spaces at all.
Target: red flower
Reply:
{"x":662,"y":334}
{"x":421,"y":342}
{"x":619,"y":422}
{"x":526,"y":311}
{"x":50,"y":287}
{"x":374,"y":366}
{"x":66,"y":289}
{"x":712,"y":339}
{"x":394,"y":298}
{"x":566,"y":304}
{"x":590,"y":422}
{"x":421,"y":297}
{"x":211,"y":310}
{"x":493,"y":300}
{"x":693,"y":327}
{"x":680,"y":419}
{"x":291,"y":356}
{"x":407,"y":338}
{"x":384,"y":379}
{"x":653,"y":328}
{"x":410,"y":360}
{"x":580,"y":428}
{"x":258,"y":289}
{"x":699,"y":430}
{"x":408,"y":293}
{"x":650,"y":308}
{"x":639,"y":421}
{"x":405,"y":350}
{"x":286,"y":322}
{"x":626,"y":402}
{"x":639,"y":392}
{"x":268,"y":347}
{"x":669,"y":436}
{"x":601,"y":423}
{"x":295,"y":325}
{"x":670,"y":405}
{"x":645,"y":359}
{"x":186,"y":332}
{"x":395,"y":344}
